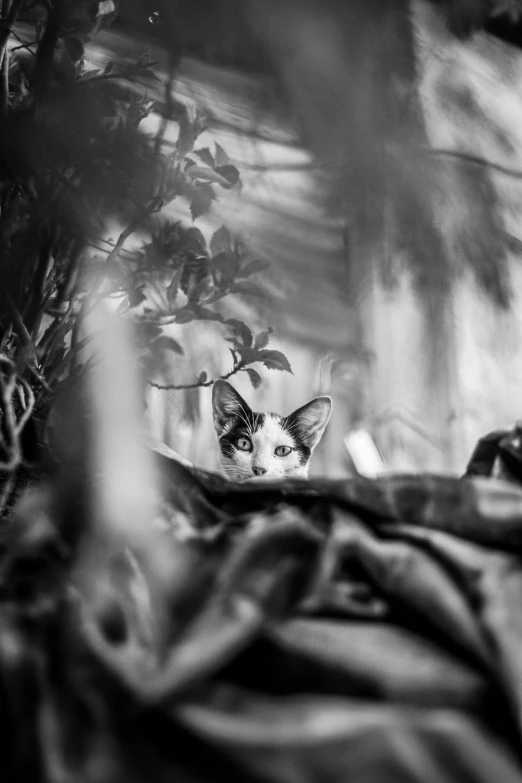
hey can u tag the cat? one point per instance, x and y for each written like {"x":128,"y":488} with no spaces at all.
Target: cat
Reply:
{"x":265,"y":445}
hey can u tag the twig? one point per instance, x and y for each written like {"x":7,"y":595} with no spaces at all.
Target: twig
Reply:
{"x":475,"y":159}
{"x":19,"y":326}
{"x":4,"y":85}
{"x":176,"y":387}
{"x":7,"y":387}
{"x":29,"y":404}
{"x":131,"y":228}
{"x":23,"y":45}
{"x":6,"y":490}
{"x":4,"y":68}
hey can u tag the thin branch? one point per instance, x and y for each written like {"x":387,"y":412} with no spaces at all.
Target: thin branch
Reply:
{"x":23,"y":45}
{"x":131,"y":228}
{"x":29,"y":404}
{"x":7,"y":490}
{"x":177,"y":387}
{"x":7,"y":387}
{"x":4,"y":85}
{"x":19,"y":326}
{"x":474,"y":159}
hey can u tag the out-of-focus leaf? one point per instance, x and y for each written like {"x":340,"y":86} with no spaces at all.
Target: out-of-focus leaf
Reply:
{"x":246,"y":288}
{"x":168,"y":343}
{"x":185,"y":315}
{"x":221,"y":157}
{"x":205,"y":314}
{"x":221,"y":241}
{"x":226,"y":263}
{"x":206,"y":175}
{"x":194,"y":239}
{"x":206,"y":156}
{"x":275,"y":360}
{"x":187,"y":133}
{"x":136,"y":297}
{"x":255,"y":378}
{"x":242,"y":331}
{"x":75,"y":49}
{"x":201,"y":201}
{"x":262,"y":339}
{"x":253,"y":268}
{"x":229,"y":176}
{"x":150,"y":74}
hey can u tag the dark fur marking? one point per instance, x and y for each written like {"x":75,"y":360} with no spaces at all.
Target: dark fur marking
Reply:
{"x":291,"y":426}
{"x":227,"y":442}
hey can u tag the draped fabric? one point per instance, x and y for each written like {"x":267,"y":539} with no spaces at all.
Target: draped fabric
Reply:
{"x":361,"y":630}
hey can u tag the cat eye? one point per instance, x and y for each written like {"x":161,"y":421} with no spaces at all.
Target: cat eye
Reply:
{"x":244,"y":444}
{"x":283,"y":451}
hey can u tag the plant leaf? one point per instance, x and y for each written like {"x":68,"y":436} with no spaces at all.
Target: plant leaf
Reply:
{"x":201,"y":201}
{"x":75,"y":49}
{"x":184,"y":316}
{"x":195,"y":240}
{"x":249,"y":355}
{"x":255,"y":378}
{"x":253,"y":268}
{"x":242,"y":331}
{"x":150,"y":74}
{"x":166,"y":342}
{"x":204,"y":314}
{"x":262,"y":339}
{"x":221,"y":241}
{"x":206,"y":175}
{"x":172,"y":290}
{"x":136,"y":297}
{"x":148,"y":333}
{"x":229,"y":174}
{"x":275,"y":360}
{"x":221,"y":156}
{"x":227,"y":264}
{"x":206,"y":156}
{"x":246,"y":288}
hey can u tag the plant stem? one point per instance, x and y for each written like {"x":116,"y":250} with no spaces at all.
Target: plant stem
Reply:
{"x":176,"y":387}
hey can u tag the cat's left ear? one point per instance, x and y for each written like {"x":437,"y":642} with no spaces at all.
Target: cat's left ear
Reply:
{"x":309,"y":422}
{"x":227,"y":404}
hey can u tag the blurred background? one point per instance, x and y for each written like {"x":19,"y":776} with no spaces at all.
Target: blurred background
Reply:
{"x":380,"y":152}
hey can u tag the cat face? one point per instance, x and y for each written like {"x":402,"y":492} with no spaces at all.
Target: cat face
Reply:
{"x":265,"y":445}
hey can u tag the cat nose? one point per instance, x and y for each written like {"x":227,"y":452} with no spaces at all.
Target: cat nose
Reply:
{"x":259,"y":471}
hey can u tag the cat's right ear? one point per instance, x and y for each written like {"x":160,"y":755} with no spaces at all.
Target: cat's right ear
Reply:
{"x":227,"y":405}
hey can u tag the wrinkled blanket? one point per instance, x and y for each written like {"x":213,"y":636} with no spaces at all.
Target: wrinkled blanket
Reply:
{"x":358,"y":630}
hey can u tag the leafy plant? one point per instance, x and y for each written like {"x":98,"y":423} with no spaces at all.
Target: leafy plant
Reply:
{"x":73,"y":160}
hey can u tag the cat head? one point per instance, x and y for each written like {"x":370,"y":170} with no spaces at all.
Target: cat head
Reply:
{"x":265,"y":445}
